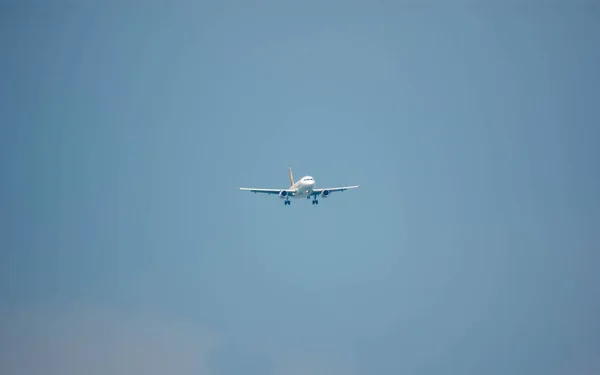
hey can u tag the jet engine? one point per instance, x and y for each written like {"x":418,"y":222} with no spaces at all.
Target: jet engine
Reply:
{"x":283,"y":194}
{"x":325,"y":193}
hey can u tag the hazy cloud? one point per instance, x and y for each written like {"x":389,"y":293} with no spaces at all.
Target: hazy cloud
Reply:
{"x":95,"y":341}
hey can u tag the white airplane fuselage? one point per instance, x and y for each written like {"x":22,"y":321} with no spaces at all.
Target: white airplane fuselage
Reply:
{"x":303,"y":187}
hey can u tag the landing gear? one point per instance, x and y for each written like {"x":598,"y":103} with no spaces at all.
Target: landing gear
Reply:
{"x":315,"y":201}
{"x":287,"y":202}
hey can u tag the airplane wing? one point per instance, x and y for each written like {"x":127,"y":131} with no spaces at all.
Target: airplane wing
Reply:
{"x":268,"y":191}
{"x":331,"y":190}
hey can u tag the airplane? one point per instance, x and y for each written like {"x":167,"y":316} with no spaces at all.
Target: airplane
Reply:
{"x":305,"y":187}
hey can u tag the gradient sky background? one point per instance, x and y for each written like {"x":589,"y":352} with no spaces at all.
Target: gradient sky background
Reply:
{"x":472,"y":246}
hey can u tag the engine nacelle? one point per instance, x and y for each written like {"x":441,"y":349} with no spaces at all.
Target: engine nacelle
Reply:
{"x":325,"y":193}
{"x":283,"y":194}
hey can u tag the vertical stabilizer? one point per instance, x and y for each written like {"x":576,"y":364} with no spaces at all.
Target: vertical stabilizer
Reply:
{"x":291,"y":178}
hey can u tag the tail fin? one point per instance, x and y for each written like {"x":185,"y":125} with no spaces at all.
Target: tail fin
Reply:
{"x":291,"y":178}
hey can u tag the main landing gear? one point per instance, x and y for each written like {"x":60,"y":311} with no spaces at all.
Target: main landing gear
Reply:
{"x":287,"y":202}
{"x":315,"y":201}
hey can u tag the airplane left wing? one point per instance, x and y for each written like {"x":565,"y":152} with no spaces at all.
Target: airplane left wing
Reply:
{"x":267,"y":191}
{"x":331,"y":190}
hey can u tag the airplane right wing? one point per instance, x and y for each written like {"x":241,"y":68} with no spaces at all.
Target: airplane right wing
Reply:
{"x":268,"y":191}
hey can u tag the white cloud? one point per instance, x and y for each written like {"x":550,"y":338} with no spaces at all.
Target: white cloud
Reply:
{"x":95,"y":341}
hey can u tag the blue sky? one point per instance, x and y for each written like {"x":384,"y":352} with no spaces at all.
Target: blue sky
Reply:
{"x":471,"y":246}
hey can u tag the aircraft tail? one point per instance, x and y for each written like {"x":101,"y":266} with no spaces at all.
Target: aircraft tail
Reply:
{"x":291,"y":178}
